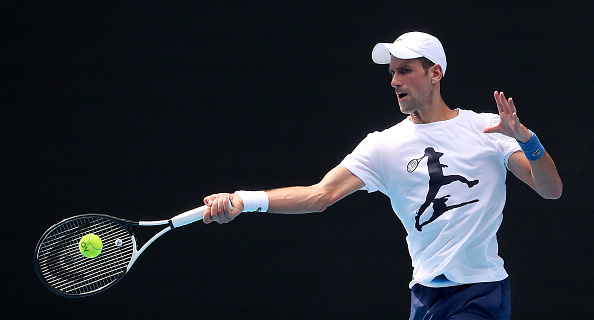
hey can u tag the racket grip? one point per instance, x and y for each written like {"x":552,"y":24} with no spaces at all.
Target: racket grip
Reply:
{"x":188,"y":217}
{"x":191,"y":216}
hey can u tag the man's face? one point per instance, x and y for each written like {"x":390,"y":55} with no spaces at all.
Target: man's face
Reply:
{"x":411,"y":84}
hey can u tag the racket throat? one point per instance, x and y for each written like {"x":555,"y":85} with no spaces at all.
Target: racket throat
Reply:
{"x":137,"y":253}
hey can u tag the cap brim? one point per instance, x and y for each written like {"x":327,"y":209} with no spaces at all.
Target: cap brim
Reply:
{"x":382,"y":51}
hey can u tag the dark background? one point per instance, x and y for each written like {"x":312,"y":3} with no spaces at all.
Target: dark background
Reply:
{"x":140,"y":110}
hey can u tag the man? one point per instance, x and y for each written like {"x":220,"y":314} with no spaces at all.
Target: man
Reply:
{"x":444,"y":171}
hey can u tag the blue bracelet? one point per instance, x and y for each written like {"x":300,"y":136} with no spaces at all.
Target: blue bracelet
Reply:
{"x":533,"y":149}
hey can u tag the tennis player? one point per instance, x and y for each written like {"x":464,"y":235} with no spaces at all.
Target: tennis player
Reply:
{"x":450,"y":201}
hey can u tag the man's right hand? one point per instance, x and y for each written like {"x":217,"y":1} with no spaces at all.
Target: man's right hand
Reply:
{"x":222,"y":207}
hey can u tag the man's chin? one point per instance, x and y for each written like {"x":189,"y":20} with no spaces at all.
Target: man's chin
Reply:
{"x":404,"y":109}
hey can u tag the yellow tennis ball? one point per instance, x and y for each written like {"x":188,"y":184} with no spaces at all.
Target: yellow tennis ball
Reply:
{"x":90,"y":245}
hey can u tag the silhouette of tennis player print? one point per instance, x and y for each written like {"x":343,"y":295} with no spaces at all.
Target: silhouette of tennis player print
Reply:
{"x":436,"y":180}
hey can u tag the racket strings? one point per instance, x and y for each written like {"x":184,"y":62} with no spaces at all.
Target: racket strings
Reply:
{"x":413,"y":164}
{"x":66,"y":270}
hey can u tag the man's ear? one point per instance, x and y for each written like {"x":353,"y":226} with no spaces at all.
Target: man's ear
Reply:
{"x":436,"y":73}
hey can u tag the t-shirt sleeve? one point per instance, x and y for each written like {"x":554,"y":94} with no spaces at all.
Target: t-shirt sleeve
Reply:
{"x":506,"y":145}
{"x":365,"y":163}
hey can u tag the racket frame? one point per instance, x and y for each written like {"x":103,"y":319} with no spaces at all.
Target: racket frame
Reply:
{"x":179,"y":220}
{"x":412,"y":165}
{"x":125,"y":225}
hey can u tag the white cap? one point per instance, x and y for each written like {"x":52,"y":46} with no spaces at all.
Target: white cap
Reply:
{"x":409,"y":46}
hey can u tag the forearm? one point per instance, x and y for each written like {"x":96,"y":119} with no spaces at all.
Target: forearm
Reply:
{"x":294,"y":200}
{"x":546,"y":180}
{"x":541,"y":174}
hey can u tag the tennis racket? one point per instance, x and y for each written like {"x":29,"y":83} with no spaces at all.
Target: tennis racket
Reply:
{"x":66,"y":271}
{"x":413,"y":164}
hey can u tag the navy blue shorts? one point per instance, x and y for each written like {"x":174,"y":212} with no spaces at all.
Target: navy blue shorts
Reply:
{"x":489,"y":300}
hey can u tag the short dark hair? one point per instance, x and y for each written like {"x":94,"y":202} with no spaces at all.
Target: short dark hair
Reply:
{"x":426,"y":63}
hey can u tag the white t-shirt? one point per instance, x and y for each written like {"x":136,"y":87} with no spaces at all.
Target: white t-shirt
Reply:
{"x":458,"y":188}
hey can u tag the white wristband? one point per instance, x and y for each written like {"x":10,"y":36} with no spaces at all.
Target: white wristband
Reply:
{"x":254,"y":201}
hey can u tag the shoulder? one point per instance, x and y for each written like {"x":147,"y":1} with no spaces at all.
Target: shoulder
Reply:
{"x":482,"y":119}
{"x":483,"y":116}
{"x":403,"y":126}
{"x":377,"y":139}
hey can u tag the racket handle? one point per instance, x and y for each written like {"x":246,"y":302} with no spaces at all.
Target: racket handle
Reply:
{"x":188,"y":217}
{"x":191,"y":216}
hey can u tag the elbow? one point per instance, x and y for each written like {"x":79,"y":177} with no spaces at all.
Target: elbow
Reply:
{"x":319,"y":208}
{"x":558,"y":193}
{"x":554,"y":193}
{"x":321,"y":204}
{"x":552,"y":196}
{"x":321,"y":200}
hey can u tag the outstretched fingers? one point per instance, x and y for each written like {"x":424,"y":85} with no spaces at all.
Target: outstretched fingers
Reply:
{"x":512,"y":107}
{"x":505,"y":106}
{"x":509,"y":124}
{"x":498,"y":101}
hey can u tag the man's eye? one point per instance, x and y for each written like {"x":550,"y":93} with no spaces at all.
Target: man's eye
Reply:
{"x":392,"y":72}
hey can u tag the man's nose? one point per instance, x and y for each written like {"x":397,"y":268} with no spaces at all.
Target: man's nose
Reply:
{"x":395,"y":81}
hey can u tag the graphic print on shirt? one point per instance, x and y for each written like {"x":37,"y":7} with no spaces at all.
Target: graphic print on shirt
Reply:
{"x":436,"y":180}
